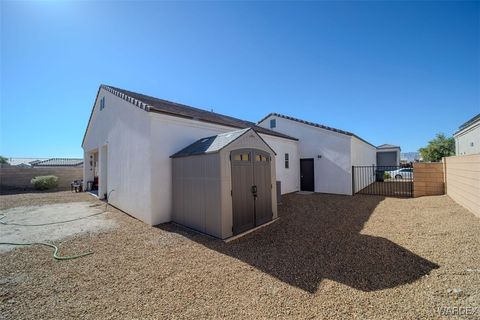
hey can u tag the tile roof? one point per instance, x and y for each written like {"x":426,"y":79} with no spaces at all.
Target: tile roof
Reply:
{"x":153,"y":104}
{"x":210,"y":144}
{"x":317,"y":125}
{"x":468,"y":123}
{"x":59,"y":162}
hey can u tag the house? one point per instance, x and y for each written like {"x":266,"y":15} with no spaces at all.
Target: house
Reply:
{"x":162,"y":161}
{"x":467,"y":138}
{"x":129,"y":141}
{"x":326,"y":154}
{"x":58,"y":162}
{"x":388,"y":155}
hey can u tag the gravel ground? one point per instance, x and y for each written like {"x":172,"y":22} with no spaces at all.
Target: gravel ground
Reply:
{"x":328,"y":256}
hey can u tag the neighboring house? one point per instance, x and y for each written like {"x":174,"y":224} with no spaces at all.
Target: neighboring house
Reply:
{"x":24,"y":162}
{"x":130,"y":138}
{"x":58,"y":162}
{"x":388,"y":155}
{"x":326,"y":154}
{"x":467,"y":138}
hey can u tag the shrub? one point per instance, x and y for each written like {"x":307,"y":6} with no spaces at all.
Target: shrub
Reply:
{"x":386,"y":175}
{"x":44,"y":182}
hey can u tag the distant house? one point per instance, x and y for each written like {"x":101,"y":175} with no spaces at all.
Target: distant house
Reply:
{"x":467,"y":138}
{"x":45,"y":162}
{"x":388,"y":155}
{"x":59,"y":162}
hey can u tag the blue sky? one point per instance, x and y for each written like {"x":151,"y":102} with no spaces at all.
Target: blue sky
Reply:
{"x":391,"y":72}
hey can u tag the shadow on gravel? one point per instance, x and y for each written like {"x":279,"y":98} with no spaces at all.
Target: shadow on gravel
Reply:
{"x":318,"y":237}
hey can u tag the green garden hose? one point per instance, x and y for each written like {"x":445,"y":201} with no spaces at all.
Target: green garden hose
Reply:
{"x":51,"y":246}
{"x":55,"y":251}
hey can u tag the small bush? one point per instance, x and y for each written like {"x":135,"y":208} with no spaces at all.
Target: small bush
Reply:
{"x":44,"y":182}
{"x":386,"y":175}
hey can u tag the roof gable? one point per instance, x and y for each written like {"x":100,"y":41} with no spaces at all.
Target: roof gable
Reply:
{"x":316,"y":125}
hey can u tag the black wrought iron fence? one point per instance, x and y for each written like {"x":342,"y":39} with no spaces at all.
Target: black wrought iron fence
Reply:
{"x":393,"y":181}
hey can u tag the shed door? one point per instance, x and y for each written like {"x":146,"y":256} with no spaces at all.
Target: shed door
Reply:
{"x":263,"y":182}
{"x":251,"y":189}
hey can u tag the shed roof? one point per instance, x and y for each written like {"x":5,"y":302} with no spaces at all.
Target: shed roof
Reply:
{"x":211,"y":144}
{"x":317,"y":125}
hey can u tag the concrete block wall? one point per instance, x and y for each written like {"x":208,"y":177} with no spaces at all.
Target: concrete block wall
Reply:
{"x":14,"y":178}
{"x":463,"y":181}
{"x":428,"y":179}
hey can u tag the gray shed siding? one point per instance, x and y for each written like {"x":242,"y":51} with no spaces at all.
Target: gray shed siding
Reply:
{"x":196,"y":193}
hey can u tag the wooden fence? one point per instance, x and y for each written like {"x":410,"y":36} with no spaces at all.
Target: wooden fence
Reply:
{"x":15,"y":178}
{"x":463,"y":181}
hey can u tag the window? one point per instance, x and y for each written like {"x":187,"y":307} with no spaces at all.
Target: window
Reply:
{"x":273,"y":123}
{"x":471,"y":144}
{"x":242,"y":157}
{"x":262,"y":158}
{"x":102,"y":103}
{"x":287,"y":164}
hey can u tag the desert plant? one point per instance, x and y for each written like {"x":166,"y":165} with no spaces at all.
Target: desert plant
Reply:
{"x":386,"y":175}
{"x":438,"y":148}
{"x":44,"y":182}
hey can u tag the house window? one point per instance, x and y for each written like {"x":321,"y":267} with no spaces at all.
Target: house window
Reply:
{"x":273,"y":123}
{"x":102,"y":103}
{"x":287,"y":164}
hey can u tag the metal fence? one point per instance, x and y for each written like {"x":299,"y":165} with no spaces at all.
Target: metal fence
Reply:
{"x":393,"y":181}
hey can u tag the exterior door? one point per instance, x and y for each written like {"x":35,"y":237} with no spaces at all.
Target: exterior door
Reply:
{"x":251,"y":189}
{"x":307,"y":175}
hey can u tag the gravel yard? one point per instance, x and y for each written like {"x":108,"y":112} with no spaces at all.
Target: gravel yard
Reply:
{"x":328,"y":256}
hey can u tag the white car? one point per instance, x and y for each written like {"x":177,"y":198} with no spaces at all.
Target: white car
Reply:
{"x":402,"y":173}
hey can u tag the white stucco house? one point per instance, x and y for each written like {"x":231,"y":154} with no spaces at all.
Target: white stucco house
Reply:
{"x":132,"y":142}
{"x":326,"y":154}
{"x":467,"y":138}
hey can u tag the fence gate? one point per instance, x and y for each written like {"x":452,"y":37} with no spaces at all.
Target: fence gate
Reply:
{"x":393,"y":181}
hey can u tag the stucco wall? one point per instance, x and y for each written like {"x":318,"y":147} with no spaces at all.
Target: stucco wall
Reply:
{"x":464,"y":140}
{"x":19,"y":178}
{"x":290,"y":177}
{"x":363,"y":154}
{"x":125,"y":129}
{"x":333,"y":169}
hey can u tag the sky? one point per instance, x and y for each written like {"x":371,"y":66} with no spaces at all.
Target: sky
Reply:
{"x":390,"y":72}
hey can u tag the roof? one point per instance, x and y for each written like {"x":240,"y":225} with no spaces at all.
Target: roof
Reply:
{"x":24,"y":161}
{"x":317,"y":125}
{"x":468,"y":123}
{"x":59,"y":162}
{"x":152,"y":104}
{"x":210,"y":144}
{"x":388,"y":146}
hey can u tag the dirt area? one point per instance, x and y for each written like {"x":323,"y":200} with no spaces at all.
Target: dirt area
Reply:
{"x":44,"y":223}
{"x":328,"y":256}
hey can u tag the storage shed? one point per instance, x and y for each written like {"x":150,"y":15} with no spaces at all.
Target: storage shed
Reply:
{"x":224,"y":185}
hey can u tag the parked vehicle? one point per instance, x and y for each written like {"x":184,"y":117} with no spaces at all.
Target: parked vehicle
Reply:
{"x":403,"y":173}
